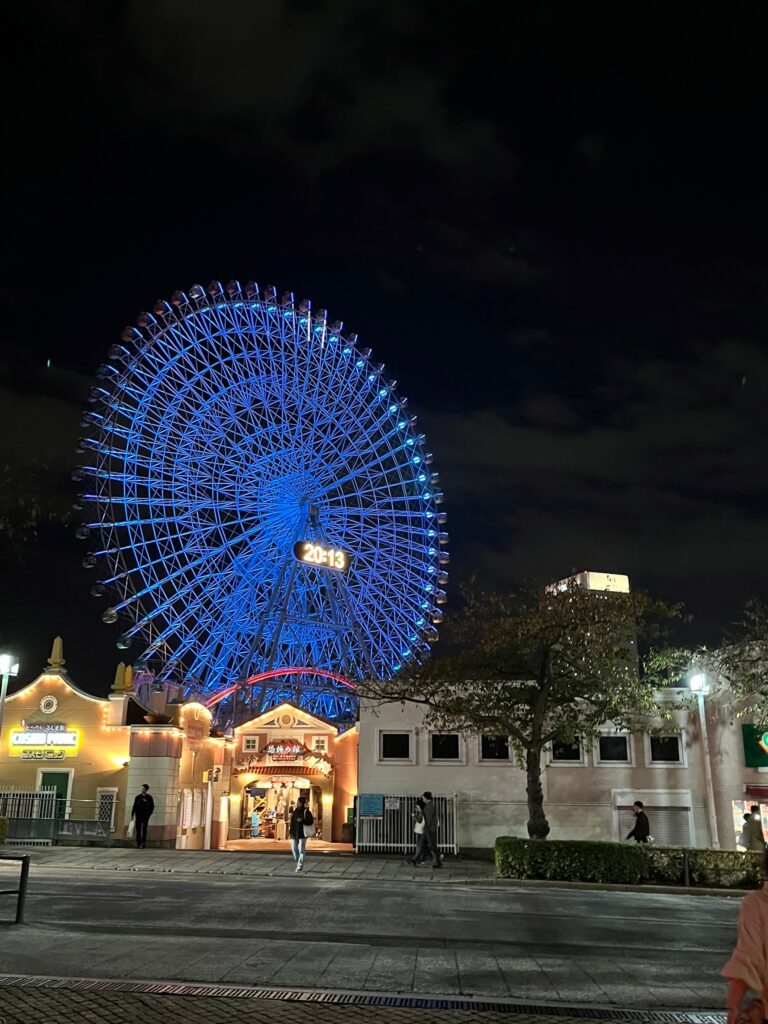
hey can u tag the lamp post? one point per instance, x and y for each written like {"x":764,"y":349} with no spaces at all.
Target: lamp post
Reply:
{"x":9,"y":666}
{"x":699,"y":685}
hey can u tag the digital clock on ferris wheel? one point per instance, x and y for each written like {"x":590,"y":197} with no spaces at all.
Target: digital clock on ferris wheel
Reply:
{"x":315,"y":554}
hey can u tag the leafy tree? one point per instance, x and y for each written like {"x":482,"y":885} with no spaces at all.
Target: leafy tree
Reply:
{"x":545,"y":667}
{"x":738,"y":671}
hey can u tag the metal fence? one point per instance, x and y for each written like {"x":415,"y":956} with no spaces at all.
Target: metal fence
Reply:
{"x":31,"y":815}
{"x":393,"y":832}
{"x":39,"y":817}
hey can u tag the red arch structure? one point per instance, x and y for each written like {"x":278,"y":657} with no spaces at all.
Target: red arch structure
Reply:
{"x":275,"y":673}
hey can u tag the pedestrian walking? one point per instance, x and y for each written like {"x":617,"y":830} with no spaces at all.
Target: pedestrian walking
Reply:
{"x":143,"y":807}
{"x":302,"y":825}
{"x":642,"y":830}
{"x":418,"y":831}
{"x":431,"y":826}
{"x":752,"y":835}
{"x":747,"y":970}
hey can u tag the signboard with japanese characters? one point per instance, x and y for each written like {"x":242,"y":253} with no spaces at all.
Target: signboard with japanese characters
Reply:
{"x":50,"y":741}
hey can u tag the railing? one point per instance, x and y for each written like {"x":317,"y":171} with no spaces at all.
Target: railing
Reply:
{"x":21,"y":892}
{"x":41,"y":817}
{"x":393,"y":832}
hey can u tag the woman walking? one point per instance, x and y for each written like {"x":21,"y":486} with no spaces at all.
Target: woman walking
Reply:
{"x":301,"y":826}
{"x":418,"y":829}
{"x":747,"y":970}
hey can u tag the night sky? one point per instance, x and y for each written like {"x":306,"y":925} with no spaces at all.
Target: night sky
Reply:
{"x":551,"y":228}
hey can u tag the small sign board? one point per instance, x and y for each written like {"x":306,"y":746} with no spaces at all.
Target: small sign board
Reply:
{"x":392,"y":803}
{"x":370,"y":805}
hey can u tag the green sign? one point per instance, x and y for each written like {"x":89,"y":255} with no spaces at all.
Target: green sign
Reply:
{"x":755,"y":745}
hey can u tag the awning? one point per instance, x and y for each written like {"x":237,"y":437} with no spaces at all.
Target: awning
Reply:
{"x":268,"y":770}
{"x":759,"y":792}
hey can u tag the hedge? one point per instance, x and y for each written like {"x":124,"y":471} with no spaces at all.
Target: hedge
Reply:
{"x":625,"y":863}
{"x":566,"y":860}
{"x":3,"y":830}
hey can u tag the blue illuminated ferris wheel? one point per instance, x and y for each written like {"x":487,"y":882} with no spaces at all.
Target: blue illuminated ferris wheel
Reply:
{"x":258,"y":496}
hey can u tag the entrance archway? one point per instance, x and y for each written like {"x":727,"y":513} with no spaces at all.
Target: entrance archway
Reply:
{"x":262,"y":806}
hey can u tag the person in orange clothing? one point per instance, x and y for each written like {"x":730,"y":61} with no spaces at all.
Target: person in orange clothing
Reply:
{"x":747,"y":970}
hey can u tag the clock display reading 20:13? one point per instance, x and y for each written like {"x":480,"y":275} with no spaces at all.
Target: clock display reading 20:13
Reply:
{"x":315,"y":554}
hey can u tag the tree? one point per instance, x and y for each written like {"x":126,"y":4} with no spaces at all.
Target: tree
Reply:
{"x":544,"y":667}
{"x":738,"y":671}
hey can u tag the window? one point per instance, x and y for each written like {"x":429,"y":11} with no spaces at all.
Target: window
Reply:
{"x":665,"y":750}
{"x":613,"y":750}
{"x":395,"y":746}
{"x":250,"y":744}
{"x":444,"y":746}
{"x":106,"y":803}
{"x":567,"y":752}
{"x":494,"y":748}
{"x":320,"y":744}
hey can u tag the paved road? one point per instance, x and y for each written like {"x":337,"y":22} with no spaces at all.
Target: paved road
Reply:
{"x":625,"y":949}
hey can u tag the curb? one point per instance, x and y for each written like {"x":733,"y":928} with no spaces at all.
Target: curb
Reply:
{"x":654,"y":890}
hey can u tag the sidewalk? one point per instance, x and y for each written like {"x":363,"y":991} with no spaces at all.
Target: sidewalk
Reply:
{"x":325,"y":861}
{"x":254,"y":865}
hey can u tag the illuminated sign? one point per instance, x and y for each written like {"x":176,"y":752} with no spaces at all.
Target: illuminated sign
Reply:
{"x":284,"y":751}
{"x":326,"y":558}
{"x":50,"y":742}
{"x":755,"y":745}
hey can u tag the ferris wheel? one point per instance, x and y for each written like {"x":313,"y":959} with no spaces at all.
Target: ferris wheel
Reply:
{"x":258,"y":497}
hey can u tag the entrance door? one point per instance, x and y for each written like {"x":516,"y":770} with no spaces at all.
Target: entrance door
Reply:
{"x":60,"y":782}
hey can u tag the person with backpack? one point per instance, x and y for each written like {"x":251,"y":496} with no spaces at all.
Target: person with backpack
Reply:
{"x":300,"y":828}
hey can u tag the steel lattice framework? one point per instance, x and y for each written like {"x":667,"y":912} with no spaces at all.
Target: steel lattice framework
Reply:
{"x":228,"y":426}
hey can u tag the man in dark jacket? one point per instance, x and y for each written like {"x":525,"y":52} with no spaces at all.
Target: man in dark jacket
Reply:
{"x":642,"y":829}
{"x":143,"y":806}
{"x":431,"y":823}
{"x":753,"y":830}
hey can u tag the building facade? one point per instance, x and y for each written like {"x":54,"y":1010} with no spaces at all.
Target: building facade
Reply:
{"x":589,"y":789}
{"x":96,"y":753}
{"x":212,"y":790}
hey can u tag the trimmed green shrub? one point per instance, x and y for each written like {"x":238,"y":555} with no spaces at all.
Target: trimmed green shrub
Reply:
{"x":725,"y":869}
{"x":565,"y":860}
{"x":626,"y":864}
{"x":3,"y":830}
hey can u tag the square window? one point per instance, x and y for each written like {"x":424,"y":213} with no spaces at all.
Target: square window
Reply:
{"x":320,"y":744}
{"x":613,"y":748}
{"x":251,"y":744}
{"x":665,"y":749}
{"x":445,"y":746}
{"x":395,"y":746}
{"x":494,"y":748}
{"x":567,"y":751}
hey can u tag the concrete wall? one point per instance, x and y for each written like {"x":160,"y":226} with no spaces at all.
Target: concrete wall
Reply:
{"x":581,"y":799}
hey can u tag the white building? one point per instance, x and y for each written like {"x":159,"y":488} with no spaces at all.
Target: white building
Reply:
{"x":588,"y":789}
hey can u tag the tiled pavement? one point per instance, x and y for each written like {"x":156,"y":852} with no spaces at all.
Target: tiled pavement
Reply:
{"x":71,"y":1005}
{"x":225,"y":862}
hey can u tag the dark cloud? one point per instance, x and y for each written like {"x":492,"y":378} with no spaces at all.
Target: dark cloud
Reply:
{"x":548,"y":222}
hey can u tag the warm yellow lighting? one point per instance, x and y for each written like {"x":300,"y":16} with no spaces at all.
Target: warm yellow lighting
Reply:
{"x":343,"y":735}
{"x":327,"y":799}
{"x":121,"y":762}
{"x":43,"y":744}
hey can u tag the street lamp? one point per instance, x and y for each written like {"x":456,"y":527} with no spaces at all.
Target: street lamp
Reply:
{"x":9,"y":666}
{"x":699,"y":684}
